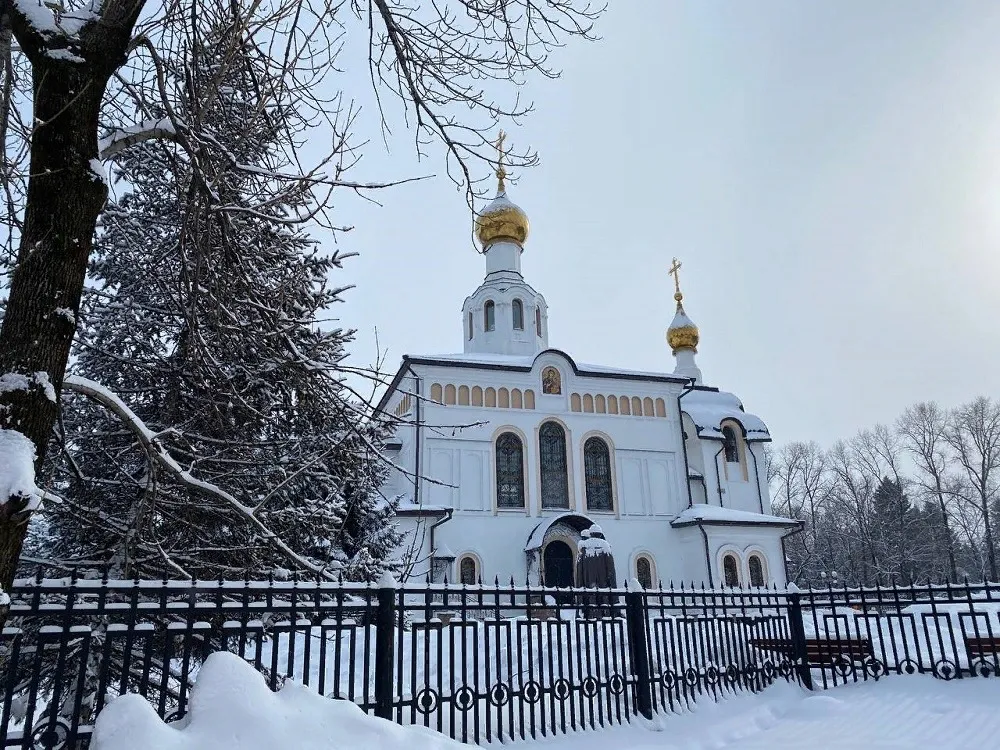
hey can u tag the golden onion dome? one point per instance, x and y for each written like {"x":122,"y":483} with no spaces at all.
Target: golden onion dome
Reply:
{"x":682,"y":333}
{"x":502,"y":219}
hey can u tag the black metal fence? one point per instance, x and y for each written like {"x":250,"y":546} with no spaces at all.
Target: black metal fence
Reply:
{"x":479,"y":663}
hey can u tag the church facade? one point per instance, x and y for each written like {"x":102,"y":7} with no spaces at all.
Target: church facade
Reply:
{"x":507,"y":453}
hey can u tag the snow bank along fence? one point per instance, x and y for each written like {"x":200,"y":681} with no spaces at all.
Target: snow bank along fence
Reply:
{"x":480,"y":663}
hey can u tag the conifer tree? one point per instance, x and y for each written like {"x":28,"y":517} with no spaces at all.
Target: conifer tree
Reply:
{"x":207,"y":317}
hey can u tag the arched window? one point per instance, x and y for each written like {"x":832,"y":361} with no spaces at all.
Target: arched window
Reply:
{"x":468,"y":572}
{"x":644,"y":571}
{"x":597,"y":474}
{"x":731,"y":571}
{"x":756,"y":571}
{"x":490,"y":316}
{"x":470,"y":327}
{"x":518,"y":309}
{"x":552,"y":466}
{"x":731,"y":444}
{"x":510,"y":471}
{"x":538,"y":321}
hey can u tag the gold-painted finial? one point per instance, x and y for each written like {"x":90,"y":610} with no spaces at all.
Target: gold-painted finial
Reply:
{"x":675,"y":272}
{"x":682,"y":333}
{"x":501,"y":172}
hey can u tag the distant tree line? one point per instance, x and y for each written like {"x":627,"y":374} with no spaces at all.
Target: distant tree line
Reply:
{"x":912,"y":501}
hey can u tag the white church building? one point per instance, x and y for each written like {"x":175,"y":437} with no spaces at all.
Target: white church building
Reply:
{"x":507,"y":452}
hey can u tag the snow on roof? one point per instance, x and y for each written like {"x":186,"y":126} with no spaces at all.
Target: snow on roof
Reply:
{"x":442,"y":550}
{"x":681,"y":320}
{"x":408,"y":506}
{"x":482,"y":359}
{"x":500,"y":203}
{"x":513,"y":360}
{"x":708,"y":409}
{"x":700,"y":513}
{"x":232,"y":707}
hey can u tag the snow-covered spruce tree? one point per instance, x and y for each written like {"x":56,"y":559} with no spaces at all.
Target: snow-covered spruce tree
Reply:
{"x":204,"y":317}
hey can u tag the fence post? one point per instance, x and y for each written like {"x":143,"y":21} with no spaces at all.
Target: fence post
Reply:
{"x":635,"y":619}
{"x":798,"y":634}
{"x":385,"y":639}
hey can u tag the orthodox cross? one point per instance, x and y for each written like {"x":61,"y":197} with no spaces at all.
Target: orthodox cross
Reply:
{"x":674,"y":271}
{"x":501,"y":172}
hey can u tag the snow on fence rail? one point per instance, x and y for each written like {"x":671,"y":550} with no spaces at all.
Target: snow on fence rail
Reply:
{"x":479,"y":663}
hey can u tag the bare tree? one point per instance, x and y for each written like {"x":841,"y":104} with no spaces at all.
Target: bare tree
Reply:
{"x":923,"y":429}
{"x":974,"y":435}
{"x":438,"y":58}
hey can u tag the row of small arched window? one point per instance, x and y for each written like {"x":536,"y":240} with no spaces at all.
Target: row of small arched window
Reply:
{"x":517,"y":314}
{"x":553,"y":469}
{"x":469,"y":573}
{"x":629,"y":406}
{"x":503,"y":398}
{"x":732,"y":570}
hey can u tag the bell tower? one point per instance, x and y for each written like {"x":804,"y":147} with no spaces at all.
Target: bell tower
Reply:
{"x":504,"y":315}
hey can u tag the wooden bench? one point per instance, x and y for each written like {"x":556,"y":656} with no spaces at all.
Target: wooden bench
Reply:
{"x":821,"y":652}
{"x":982,"y":648}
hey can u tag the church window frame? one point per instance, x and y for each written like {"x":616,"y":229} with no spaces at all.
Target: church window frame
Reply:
{"x":517,"y":313}
{"x":731,"y":570}
{"x":757,"y":570}
{"x":538,"y":320}
{"x":645,"y":570}
{"x":490,"y":315}
{"x":509,"y":471}
{"x":472,"y":329}
{"x":598,"y":475}
{"x":468,"y":569}
{"x":553,"y":466}
{"x":730,"y":444}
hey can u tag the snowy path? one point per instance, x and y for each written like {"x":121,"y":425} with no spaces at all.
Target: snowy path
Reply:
{"x":911,"y":713}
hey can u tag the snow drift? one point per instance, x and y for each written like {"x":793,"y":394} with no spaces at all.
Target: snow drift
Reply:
{"x":232,"y":708}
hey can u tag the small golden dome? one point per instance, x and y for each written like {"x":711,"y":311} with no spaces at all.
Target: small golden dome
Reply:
{"x":501,"y":220}
{"x":682,"y":333}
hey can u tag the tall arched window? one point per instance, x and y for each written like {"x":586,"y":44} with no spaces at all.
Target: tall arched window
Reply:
{"x":597,"y":474}
{"x":467,"y":570}
{"x":517,"y":307}
{"x":510,"y":471}
{"x":644,"y":571}
{"x":731,"y":571}
{"x":470,"y":327}
{"x":731,"y":444}
{"x":756,"y":571}
{"x":490,"y":316}
{"x":552,"y":466}
{"x":538,"y":321}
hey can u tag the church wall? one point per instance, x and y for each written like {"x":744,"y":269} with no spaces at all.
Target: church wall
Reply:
{"x":457,"y":464}
{"x":742,"y":542}
{"x":739,"y":482}
{"x":458,"y":452}
{"x":499,"y":548}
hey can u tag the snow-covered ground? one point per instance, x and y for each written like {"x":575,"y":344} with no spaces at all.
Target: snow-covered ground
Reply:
{"x":901,"y":713}
{"x":232,"y":708}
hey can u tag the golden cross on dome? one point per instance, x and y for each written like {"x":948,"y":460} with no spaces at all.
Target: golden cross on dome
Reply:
{"x":675,"y":272}
{"x":501,"y":172}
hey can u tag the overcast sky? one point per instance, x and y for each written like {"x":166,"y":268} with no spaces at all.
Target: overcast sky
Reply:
{"x":828,"y":173}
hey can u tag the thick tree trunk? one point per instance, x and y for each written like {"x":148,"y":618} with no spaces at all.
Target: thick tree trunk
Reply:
{"x":65,"y":196}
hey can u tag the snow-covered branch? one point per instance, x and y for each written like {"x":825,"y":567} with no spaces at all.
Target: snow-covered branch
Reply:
{"x":149,"y":440}
{"x":122,"y":138}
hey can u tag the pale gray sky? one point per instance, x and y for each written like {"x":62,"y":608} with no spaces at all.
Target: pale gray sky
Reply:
{"x":828,"y":173}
